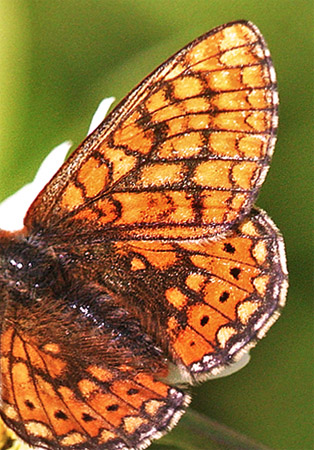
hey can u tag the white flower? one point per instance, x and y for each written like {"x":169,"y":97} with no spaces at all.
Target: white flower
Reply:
{"x":14,"y":208}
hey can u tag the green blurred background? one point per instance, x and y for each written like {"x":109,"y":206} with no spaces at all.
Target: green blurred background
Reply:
{"x":58,"y":59}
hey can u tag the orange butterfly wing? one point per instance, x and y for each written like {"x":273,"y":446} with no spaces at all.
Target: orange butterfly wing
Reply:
{"x":183,"y":155}
{"x":74,"y":383}
{"x":212,"y":299}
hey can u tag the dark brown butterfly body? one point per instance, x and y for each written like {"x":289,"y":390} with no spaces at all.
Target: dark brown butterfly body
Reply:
{"x":58,"y":288}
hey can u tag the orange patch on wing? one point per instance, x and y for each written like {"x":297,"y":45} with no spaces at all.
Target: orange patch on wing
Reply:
{"x":52,"y":348}
{"x":132,"y":423}
{"x":134,"y":138}
{"x":160,"y":255}
{"x":205,"y":320}
{"x":214,"y":205}
{"x":237,"y":35}
{"x":225,"y":80}
{"x":253,"y":76}
{"x":72,"y":197}
{"x":231,"y":100}
{"x":190,"y":346}
{"x":223,"y":144}
{"x":137,"y":264}
{"x":258,"y":99}
{"x":156,"y":101}
{"x":260,"y":252}
{"x":94,"y":176}
{"x":176,"y":297}
{"x":223,"y":296}
{"x":86,"y":214}
{"x":224,"y":334}
{"x":153,"y":385}
{"x":261,"y":284}
{"x":100,"y":373}
{"x":159,"y":174}
{"x":199,"y":121}
{"x":187,"y":86}
{"x":55,"y":366}
{"x":178,"y":125}
{"x":214,"y":174}
{"x":154,"y":207}
{"x":244,"y":174}
{"x":205,"y":49}
{"x":196,"y":105}
{"x":26,"y":396}
{"x":246,"y":310}
{"x":108,"y":211}
{"x":185,"y":146}
{"x":238,"y":57}
{"x":195,"y":281}
{"x":230,"y":271}
{"x":130,"y":392}
{"x":259,"y":121}
{"x":253,"y":146}
{"x":18,"y":350}
{"x":120,"y":162}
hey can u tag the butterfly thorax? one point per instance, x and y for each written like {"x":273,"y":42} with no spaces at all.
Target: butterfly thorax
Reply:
{"x":27,"y":269}
{"x":43,"y":285}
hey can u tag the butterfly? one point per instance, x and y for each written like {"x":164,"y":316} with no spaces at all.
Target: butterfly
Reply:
{"x":143,"y":265}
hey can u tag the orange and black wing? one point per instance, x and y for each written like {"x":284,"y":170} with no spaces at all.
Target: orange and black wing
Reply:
{"x":206,"y":301}
{"x":72,"y":383}
{"x":183,"y":155}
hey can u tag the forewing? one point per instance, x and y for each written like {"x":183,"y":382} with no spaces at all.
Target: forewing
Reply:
{"x":183,"y":155}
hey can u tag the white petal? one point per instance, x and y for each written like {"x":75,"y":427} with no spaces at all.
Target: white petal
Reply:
{"x":14,"y":208}
{"x":51,"y":164}
{"x":100,"y":113}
